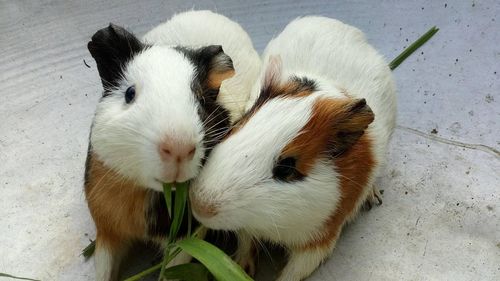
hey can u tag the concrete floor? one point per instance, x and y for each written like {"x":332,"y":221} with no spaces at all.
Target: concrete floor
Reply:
{"x":440,"y":217}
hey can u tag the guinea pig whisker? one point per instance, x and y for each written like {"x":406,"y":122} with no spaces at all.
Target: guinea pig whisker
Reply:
{"x":208,"y":119}
{"x":217,"y":133}
{"x":222,"y":120}
{"x":214,"y":139}
{"x":351,"y":180}
{"x":218,"y":130}
{"x":211,"y":116}
{"x":262,"y":246}
{"x":129,"y":129}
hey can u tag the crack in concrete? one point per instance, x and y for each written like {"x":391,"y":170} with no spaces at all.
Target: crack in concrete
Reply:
{"x":481,"y":147}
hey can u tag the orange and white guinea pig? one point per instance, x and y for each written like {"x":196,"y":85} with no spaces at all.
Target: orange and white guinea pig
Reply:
{"x":304,"y":158}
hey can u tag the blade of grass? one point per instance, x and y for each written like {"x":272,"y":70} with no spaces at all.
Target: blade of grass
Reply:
{"x":179,"y":206}
{"x":188,"y":271}
{"x":89,"y":250}
{"x":166,"y":258}
{"x":413,"y":47}
{"x":16,"y":277}
{"x":181,"y":191}
{"x":154,"y":268}
{"x":145,"y":273}
{"x":190,"y":217}
{"x":167,"y":193}
{"x":216,"y":261}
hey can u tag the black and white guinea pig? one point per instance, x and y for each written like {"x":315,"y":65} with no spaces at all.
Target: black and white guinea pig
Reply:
{"x":158,"y":118}
{"x":304,"y":158}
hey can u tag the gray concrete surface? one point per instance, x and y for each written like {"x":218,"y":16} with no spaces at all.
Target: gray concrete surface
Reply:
{"x":440,"y":217}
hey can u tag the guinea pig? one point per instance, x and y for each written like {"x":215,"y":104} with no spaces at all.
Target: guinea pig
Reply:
{"x":303,"y":159}
{"x":159,"y":116}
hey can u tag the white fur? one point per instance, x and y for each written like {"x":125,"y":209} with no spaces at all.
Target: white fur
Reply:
{"x":126,"y":136}
{"x":200,"y":28}
{"x":237,"y":177}
{"x":106,"y":264}
{"x":302,"y":263}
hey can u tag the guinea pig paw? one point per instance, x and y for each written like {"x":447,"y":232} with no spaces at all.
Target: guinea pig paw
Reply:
{"x":374,"y":198}
{"x":247,"y":264}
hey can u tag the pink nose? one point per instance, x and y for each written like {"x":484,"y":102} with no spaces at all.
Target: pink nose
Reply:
{"x":203,"y":209}
{"x":173,"y":150}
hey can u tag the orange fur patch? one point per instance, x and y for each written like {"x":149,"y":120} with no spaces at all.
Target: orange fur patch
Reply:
{"x":116,"y":204}
{"x":329,"y":117}
{"x":214,"y":79}
{"x":337,"y":123}
{"x":355,"y":167}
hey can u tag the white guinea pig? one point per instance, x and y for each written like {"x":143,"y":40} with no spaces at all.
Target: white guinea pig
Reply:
{"x":159,"y":117}
{"x":304,"y":158}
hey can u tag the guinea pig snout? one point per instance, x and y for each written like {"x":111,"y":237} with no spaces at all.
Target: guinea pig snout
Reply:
{"x":203,"y":209}
{"x":176,"y":151}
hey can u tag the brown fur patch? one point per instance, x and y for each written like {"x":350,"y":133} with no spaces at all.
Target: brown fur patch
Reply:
{"x":336,"y":131}
{"x":214,"y":79}
{"x":355,"y":167}
{"x":335,"y":125}
{"x":116,"y":204}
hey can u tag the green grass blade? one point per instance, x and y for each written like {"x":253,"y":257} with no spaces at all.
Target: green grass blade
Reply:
{"x":89,"y":250}
{"x":181,"y":192}
{"x":167,"y":193}
{"x":413,"y":47}
{"x":16,"y":277}
{"x":190,"y":218}
{"x":155,"y":267}
{"x":188,"y":271}
{"x":145,"y":273}
{"x":216,"y":261}
{"x":180,"y":198}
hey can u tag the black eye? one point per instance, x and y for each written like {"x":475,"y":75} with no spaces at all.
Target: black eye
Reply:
{"x":286,"y":170}
{"x":130,"y":94}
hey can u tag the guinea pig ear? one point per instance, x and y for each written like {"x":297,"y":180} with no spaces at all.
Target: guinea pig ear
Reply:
{"x":112,"y":47}
{"x":213,"y":66}
{"x":349,"y":125}
{"x":272,"y":76}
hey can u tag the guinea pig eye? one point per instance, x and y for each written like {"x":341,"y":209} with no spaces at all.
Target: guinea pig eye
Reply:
{"x":130,"y":94}
{"x":286,"y":170}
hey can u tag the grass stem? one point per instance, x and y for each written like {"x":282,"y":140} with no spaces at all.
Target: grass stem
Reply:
{"x":413,"y":47}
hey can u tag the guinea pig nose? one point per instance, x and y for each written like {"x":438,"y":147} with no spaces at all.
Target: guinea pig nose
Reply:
{"x":203,"y":209}
{"x":176,"y":150}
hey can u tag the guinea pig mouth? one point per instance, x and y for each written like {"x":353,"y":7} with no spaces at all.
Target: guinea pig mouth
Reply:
{"x":160,"y":181}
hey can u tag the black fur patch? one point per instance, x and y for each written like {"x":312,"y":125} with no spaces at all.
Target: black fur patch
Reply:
{"x":304,"y":84}
{"x":112,"y":47}
{"x":158,"y":221}
{"x":347,"y":137}
{"x":214,"y":116}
